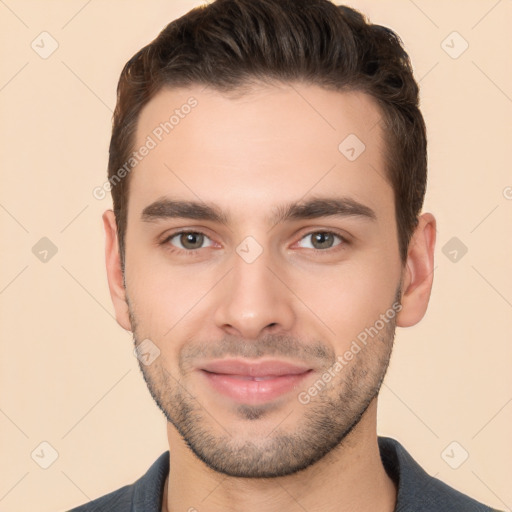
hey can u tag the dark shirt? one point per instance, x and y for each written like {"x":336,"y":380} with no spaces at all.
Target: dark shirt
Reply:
{"x":417,"y":490}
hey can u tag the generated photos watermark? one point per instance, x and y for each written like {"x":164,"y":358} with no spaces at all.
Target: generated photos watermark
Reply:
{"x":156,"y":136}
{"x":304,"y":397}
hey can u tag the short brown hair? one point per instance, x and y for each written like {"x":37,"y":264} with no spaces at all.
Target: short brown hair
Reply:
{"x":229,"y":45}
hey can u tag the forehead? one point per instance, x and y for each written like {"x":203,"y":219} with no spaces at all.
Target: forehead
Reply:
{"x":272,"y":145}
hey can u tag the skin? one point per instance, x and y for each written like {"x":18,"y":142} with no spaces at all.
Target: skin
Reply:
{"x":247,"y":155}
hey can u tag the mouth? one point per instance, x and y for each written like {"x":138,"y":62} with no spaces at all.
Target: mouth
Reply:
{"x":253,"y":383}
{"x":247,"y":377}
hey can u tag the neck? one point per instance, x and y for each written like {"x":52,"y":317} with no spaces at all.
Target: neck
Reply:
{"x":350,"y":477}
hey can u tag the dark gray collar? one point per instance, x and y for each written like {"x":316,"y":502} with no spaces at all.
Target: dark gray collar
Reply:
{"x":417,"y":490}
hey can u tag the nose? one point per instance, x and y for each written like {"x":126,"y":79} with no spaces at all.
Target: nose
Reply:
{"x":253,"y":299}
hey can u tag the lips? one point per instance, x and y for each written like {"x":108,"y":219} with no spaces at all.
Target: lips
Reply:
{"x":273,"y":368}
{"x":254,"y":382}
{"x":248,"y":377}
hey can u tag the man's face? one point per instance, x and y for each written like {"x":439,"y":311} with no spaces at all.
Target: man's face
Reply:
{"x":300,"y":289}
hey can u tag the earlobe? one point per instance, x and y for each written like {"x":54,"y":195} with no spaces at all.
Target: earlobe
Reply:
{"x":114,"y":272}
{"x":419,"y":272}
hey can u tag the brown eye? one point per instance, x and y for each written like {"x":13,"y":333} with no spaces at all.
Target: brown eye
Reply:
{"x":188,"y":240}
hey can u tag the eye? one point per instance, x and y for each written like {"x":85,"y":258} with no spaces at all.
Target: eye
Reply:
{"x":322,"y":240}
{"x":187,"y":240}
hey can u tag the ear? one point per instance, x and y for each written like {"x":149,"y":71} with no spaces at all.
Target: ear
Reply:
{"x":114,"y":273}
{"x":419,"y":272}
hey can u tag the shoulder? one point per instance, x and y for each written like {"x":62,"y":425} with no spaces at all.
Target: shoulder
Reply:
{"x":417,"y":490}
{"x":145,"y":494}
{"x":115,"y":501}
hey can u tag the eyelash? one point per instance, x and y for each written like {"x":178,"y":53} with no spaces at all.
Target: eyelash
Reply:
{"x":193,"y":252}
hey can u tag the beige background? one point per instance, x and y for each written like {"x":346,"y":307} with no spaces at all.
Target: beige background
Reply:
{"x":68,"y":374}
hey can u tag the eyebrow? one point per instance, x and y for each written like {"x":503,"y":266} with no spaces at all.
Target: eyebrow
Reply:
{"x":166,"y":208}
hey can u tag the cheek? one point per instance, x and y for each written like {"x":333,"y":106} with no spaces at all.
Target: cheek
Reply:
{"x":165,"y":297}
{"x":348,"y":298}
